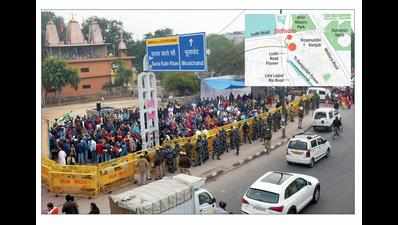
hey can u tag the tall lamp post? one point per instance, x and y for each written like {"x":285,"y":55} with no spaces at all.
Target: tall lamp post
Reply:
{"x":282,"y":96}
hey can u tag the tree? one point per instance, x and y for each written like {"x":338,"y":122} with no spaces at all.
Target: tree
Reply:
{"x":123,"y":75}
{"x":225,"y":56}
{"x":137,"y":49}
{"x":110,"y":30}
{"x":55,"y":75}
{"x":159,"y":33}
{"x":180,"y":83}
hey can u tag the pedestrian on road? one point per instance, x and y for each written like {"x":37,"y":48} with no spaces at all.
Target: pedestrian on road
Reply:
{"x":94,"y":208}
{"x":51,"y":209}
{"x":142,"y":167}
{"x":70,"y":206}
{"x":184,"y":163}
{"x":300,"y":117}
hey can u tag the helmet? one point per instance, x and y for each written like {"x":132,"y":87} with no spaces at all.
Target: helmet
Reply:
{"x":198,"y":133}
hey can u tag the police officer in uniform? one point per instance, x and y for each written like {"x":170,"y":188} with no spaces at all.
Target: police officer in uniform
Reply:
{"x":269,"y":121}
{"x":204,"y":145}
{"x":246,"y":133}
{"x":236,"y":139}
{"x":231,"y":139}
{"x":198,"y":151}
{"x":188,"y":149}
{"x":216,"y":147}
{"x":255,"y":129}
{"x":291,"y":113}
{"x":223,"y":137}
{"x":267,"y":138}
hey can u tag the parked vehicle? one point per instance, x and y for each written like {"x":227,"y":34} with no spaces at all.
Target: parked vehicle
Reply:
{"x":180,"y":194}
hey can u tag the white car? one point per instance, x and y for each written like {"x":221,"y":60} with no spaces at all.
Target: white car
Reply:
{"x":322,"y":92}
{"x":323,"y":118}
{"x":307,"y":149}
{"x":280,"y":193}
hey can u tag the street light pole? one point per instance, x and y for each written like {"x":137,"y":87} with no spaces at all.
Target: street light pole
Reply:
{"x":282,"y":96}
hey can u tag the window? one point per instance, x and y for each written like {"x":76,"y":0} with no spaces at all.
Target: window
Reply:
{"x":300,"y":183}
{"x":204,"y":198}
{"x":320,"y":115}
{"x":296,"y":144}
{"x":84,"y":70}
{"x":294,"y":187}
{"x":290,"y":190}
{"x":330,"y":114}
{"x":321,"y":92}
{"x":313,"y":143}
{"x":262,"y":196}
{"x":320,"y":141}
{"x":86,"y":86}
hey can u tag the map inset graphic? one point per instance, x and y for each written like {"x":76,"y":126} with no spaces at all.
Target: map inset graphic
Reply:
{"x":311,"y":49}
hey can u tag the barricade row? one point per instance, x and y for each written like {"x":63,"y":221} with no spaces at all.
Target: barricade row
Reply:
{"x":88,"y":181}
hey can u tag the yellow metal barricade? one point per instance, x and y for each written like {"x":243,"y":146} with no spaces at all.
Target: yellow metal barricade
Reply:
{"x":46,"y":167}
{"x":116,"y":172}
{"x":77,"y":180}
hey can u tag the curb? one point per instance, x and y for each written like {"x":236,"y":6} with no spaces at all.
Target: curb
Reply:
{"x":214,"y":175}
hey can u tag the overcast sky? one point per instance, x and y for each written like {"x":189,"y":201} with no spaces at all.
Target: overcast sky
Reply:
{"x":140,"y":22}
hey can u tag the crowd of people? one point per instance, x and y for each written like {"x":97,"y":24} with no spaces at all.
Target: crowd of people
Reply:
{"x":104,"y":136}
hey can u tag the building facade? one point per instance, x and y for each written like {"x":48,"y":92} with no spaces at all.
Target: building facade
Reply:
{"x":89,"y":57}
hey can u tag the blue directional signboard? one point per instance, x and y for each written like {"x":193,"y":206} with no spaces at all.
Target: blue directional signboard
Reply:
{"x":185,"y":52}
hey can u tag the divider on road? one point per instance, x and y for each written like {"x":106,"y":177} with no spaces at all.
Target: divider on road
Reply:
{"x":87,"y":181}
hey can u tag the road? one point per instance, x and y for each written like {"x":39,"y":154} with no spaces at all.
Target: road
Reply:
{"x":335,"y":173}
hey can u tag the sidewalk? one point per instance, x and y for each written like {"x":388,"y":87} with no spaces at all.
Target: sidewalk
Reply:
{"x":210,"y":170}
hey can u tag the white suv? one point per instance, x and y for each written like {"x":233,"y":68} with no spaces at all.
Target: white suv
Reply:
{"x":323,"y":118}
{"x":280,"y":193}
{"x":307,"y":149}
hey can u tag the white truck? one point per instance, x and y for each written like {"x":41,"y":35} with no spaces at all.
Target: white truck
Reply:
{"x":180,"y":194}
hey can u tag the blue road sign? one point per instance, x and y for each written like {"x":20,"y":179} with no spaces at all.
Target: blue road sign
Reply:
{"x":185,"y":52}
{"x":193,"y":52}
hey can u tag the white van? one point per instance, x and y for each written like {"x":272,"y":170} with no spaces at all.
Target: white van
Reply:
{"x":323,"y":118}
{"x":322,"y":92}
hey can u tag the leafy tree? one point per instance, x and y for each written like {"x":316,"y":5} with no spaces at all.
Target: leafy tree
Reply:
{"x":56,"y":75}
{"x":123,"y":75}
{"x":159,"y":33}
{"x":180,"y":83}
{"x":225,"y":56}
{"x":137,"y":49}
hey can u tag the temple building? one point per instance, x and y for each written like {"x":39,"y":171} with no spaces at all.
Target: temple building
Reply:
{"x":90,"y":57}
